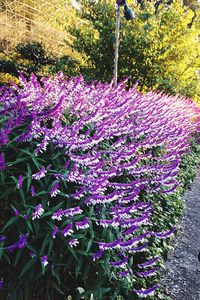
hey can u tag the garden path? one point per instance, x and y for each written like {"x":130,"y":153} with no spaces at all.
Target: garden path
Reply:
{"x":181,"y":277}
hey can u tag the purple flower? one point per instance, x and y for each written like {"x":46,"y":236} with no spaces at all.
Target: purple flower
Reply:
{"x":16,"y":212}
{"x":72,"y":211}
{"x":82,"y":224}
{"x":147,"y":292}
{"x":67,"y":213}
{"x":25,"y":217}
{"x":54,"y":191}
{"x":148,"y":273}
{"x":20,"y":181}
{"x":149,"y":263}
{"x":54,"y":232}
{"x":73,"y":243}
{"x":3,"y":138}
{"x":32,"y":191}
{"x":131,"y":230}
{"x":1,"y":283}
{"x":113,"y":222}
{"x":40,"y":174}
{"x":2,"y":162}
{"x":124,"y":273}
{"x":164,"y":235}
{"x":67,"y":230}
{"x":38,"y":212}
{"x":97,"y":255}
{"x":21,"y":243}
{"x":120,"y":263}
{"x":107,"y":246}
{"x":44,"y":260}
{"x":58,"y":215}
{"x":2,"y":238}
{"x":132,"y":242}
{"x":141,"y":248}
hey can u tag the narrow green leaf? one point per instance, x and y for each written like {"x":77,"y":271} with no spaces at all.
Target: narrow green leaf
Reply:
{"x":19,"y":254}
{"x":29,"y":180}
{"x":10,"y":164}
{"x":10,"y":222}
{"x":29,"y":264}
{"x":45,"y":243}
{"x":56,"y":274}
{"x":89,"y":246}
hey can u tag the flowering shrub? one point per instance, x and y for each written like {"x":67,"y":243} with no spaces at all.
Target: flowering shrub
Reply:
{"x":82,"y":170}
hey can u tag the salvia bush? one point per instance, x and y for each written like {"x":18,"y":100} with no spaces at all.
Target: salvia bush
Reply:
{"x":82,"y":170}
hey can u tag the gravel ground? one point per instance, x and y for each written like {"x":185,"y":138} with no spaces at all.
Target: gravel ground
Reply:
{"x":181,"y":277}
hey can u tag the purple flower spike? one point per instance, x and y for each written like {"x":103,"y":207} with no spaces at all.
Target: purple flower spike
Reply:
{"x":58,"y":215}
{"x":149,"y":263}
{"x":97,"y":255}
{"x":20,"y":181}
{"x":39,"y":174}
{"x":1,"y":283}
{"x":120,"y":264}
{"x":164,"y":235}
{"x":124,"y":273}
{"x":73,"y":243}
{"x":32,"y":191}
{"x":148,"y":273}
{"x":16,"y":212}
{"x":143,"y":293}
{"x":44,"y":260}
{"x":111,"y":134}
{"x":2,"y":162}
{"x":82,"y":224}
{"x":21,"y":243}
{"x":54,"y":232}
{"x":38,"y":212}
{"x":67,"y":230}
{"x":25,"y":217}
{"x":2,"y":238}
{"x":54,"y":191}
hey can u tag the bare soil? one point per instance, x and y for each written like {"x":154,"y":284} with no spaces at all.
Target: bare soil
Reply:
{"x":181,"y":277}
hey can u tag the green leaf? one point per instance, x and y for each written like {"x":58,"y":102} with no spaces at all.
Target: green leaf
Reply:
{"x":31,"y":248}
{"x":29,"y":264}
{"x":1,"y":250}
{"x":45,"y":243}
{"x":10,"y":222}
{"x":36,"y":163}
{"x":89,"y":246}
{"x":19,"y":254}
{"x":56,"y":274}
{"x":29,"y":225}
{"x":50,"y":246}
{"x":22,"y":196}
{"x":73,"y":253}
{"x":27,"y":152}
{"x":2,"y":177}
{"x":10,"y":164}
{"x":29,"y":180}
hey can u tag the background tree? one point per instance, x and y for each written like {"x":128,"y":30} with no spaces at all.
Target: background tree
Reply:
{"x":160,"y":50}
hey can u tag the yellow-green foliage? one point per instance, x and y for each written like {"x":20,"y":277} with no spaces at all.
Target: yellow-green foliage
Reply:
{"x":159,"y":48}
{"x":6,"y":78}
{"x":37,"y":20}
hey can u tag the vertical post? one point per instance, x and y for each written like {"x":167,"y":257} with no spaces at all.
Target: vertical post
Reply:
{"x":116,"y":44}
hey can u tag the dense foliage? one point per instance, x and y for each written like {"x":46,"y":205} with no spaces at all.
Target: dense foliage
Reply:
{"x":159,"y":47}
{"x":33,"y":57}
{"x":90,"y":187}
